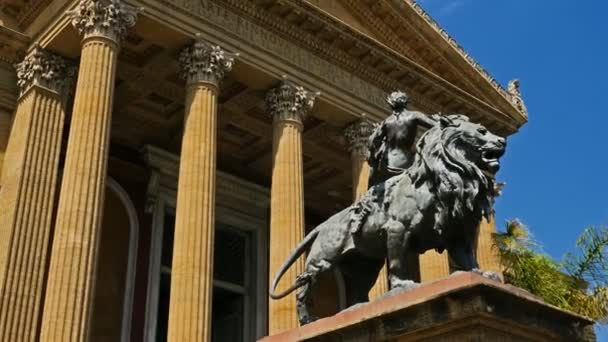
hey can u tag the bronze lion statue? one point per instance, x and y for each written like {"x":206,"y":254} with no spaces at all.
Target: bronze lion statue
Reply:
{"x":437,"y":203}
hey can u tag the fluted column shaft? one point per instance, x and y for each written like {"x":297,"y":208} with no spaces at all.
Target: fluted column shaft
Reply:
{"x":71,"y":279}
{"x":434,"y":265}
{"x":28,"y":193}
{"x":360,"y":170}
{"x":5,"y":130}
{"x":357,"y":135}
{"x":487,"y":255}
{"x":8,"y":100}
{"x":190,"y":308}
{"x":192,"y":267}
{"x":71,"y":284}
{"x":286,"y":104}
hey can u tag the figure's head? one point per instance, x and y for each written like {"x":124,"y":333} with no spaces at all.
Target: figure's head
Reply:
{"x":397,"y":100}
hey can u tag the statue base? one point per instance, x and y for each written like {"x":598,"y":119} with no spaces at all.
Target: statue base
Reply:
{"x":462,"y":307}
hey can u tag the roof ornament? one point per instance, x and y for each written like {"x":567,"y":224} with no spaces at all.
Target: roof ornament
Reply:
{"x":515,"y":96}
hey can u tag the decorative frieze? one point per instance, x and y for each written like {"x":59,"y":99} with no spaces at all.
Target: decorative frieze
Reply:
{"x":357,"y":134}
{"x":44,"y":69}
{"x":264,"y":39}
{"x":203,"y":62}
{"x":289,"y":102}
{"x":104,"y":18}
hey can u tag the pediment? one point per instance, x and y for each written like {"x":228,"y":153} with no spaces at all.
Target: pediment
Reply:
{"x":340,"y":11}
{"x":403,"y":26}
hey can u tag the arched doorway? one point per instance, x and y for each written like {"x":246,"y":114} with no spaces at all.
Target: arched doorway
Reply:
{"x":115,"y":274}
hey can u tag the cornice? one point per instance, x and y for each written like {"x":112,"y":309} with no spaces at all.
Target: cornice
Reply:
{"x":396,"y":42}
{"x":27,"y":11}
{"x":361,"y":11}
{"x":13,"y":45}
{"x":323,"y":49}
{"x":463,"y":54}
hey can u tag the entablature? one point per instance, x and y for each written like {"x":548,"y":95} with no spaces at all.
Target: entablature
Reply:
{"x":351,"y":69}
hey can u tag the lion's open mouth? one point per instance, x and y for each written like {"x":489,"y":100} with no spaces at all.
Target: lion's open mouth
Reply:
{"x":490,"y":156}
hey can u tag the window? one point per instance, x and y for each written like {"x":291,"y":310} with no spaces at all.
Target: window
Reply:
{"x":235,"y":285}
{"x":240,"y":292}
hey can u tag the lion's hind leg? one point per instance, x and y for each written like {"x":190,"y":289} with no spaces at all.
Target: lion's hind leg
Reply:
{"x":462,"y":257}
{"x":398,"y":245}
{"x":308,"y":278}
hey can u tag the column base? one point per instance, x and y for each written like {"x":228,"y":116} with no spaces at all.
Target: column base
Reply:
{"x":462,"y":307}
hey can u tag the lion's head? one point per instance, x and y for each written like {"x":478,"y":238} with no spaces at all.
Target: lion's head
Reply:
{"x":460,"y":159}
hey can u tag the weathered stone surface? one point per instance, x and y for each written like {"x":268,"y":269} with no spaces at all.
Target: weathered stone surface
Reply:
{"x":462,"y":307}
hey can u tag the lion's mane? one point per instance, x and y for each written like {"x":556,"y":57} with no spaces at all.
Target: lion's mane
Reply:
{"x":460,"y":186}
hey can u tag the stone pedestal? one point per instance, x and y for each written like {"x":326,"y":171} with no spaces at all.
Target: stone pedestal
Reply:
{"x":462,"y":307}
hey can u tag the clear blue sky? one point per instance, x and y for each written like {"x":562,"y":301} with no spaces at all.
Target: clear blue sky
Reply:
{"x":556,"y":166}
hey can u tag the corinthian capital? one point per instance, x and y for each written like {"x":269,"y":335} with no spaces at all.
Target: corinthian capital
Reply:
{"x":203,"y":62}
{"x":357,"y":135}
{"x":104,"y":18}
{"x":44,"y":69}
{"x":289,"y":102}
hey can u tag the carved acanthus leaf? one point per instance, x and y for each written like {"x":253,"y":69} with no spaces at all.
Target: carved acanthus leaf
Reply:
{"x":106,"y":18}
{"x":203,"y":62}
{"x":289,"y":102}
{"x":357,"y":135}
{"x":45,"y":69}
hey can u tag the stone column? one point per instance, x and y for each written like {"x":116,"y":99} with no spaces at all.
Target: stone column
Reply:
{"x":434,"y":265}
{"x":27,"y":194}
{"x":203,"y":66}
{"x":287,"y":104}
{"x":357,"y":135}
{"x":487,"y":255}
{"x":71,"y":279}
{"x":8,"y":97}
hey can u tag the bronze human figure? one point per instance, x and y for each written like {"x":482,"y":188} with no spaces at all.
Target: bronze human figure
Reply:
{"x":391,"y":145}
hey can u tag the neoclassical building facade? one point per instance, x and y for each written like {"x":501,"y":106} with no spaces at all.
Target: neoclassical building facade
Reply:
{"x":160,"y":158}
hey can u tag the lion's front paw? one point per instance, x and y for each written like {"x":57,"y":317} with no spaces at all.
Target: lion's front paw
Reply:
{"x":307,"y":319}
{"x":489,"y":274}
{"x":399,"y":285}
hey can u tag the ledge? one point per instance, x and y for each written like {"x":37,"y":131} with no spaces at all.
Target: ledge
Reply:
{"x":461,"y":307}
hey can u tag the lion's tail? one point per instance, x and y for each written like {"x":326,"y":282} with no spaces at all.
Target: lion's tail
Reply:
{"x":300,"y":249}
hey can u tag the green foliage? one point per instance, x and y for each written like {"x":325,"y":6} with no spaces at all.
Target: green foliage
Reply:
{"x":578,"y":284}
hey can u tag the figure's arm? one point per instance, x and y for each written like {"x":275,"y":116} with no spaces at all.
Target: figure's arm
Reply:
{"x":426,"y":121}
{"x":375,"y":142}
